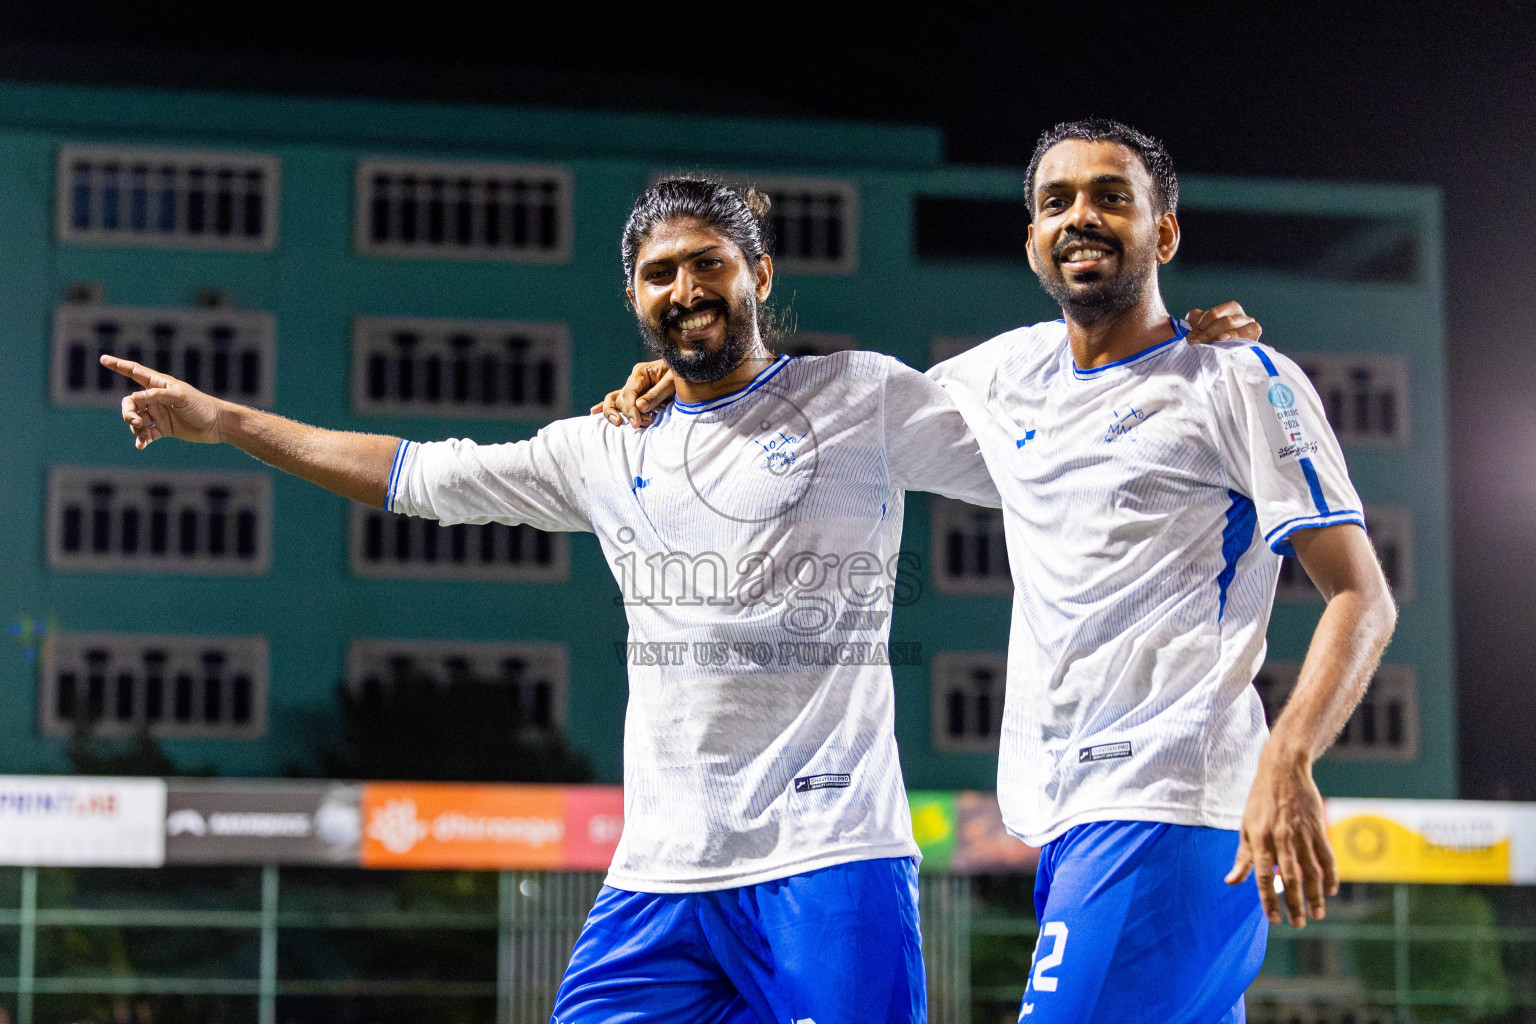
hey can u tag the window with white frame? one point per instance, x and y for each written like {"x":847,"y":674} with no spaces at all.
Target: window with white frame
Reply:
{"x":386,"y":545}
{"x":170,"y":198}
{"x":120,"y":684}
{"x":969,"y":549}
{"x":227,"y":353}
{"x":536,"y":673}
{"x":117,"y":520}
{"x":1365,"y":395}
{"x":1383,"y":727}
{"x":494,"y":369}
{"x":966,"y":706}
{"x":814,"y":224}
{"x":465,"y":211}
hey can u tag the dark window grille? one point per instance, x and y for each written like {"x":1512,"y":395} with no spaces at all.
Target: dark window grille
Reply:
{"x":226,"y":353}
{"x":385,"y":544}
{"x":193,"y":523}
{"x":181,"y":199}
{"x":970,"y":550}
{"x":121,"y":684}
{"x":463,"y":211}
{"x":967,"y":701}
{"x":1383,"y":727}
{"x":494,"y":369}
{"x":538,"y":674}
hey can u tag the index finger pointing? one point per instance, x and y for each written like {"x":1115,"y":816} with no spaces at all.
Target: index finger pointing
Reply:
{"x":139,"y":373}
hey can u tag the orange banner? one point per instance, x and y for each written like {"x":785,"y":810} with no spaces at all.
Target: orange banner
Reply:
{"x":478,"y":827}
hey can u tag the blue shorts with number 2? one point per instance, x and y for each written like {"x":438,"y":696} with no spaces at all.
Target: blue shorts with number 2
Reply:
{"x":1137,"y":925}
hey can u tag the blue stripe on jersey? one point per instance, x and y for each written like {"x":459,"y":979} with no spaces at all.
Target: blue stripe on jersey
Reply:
{"x":1315,"y":485}
{"x":1278,"y":538}
{"x":724,"y":400}
{"x":1236,"y":536}
{"x":1263,"y":358}
{"x":394,"y":476}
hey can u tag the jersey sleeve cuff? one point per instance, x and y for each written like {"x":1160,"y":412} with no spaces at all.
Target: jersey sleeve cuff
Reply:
{"x":395,"y":472}
{"x":1279,"y":539}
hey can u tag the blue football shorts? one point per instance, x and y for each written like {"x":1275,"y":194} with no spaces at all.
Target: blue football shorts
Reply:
{"x":839,"y":945}
{"x":1137,"y":925}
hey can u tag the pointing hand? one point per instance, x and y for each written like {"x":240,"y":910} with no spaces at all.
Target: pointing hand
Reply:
{"x":166,"y":407}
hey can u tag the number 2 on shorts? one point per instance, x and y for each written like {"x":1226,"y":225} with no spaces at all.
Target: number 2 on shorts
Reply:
{"x":1057,"y":932}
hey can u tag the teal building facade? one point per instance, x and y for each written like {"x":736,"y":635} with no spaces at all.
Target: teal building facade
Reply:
{"x":434,"y":271}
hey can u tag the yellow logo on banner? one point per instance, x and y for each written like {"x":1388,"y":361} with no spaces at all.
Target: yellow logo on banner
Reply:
{"x":930,"y":825}
{"x":1369,"y":848}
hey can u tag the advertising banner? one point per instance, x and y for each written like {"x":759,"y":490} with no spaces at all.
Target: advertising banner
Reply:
{"x":218,"y":821}
{"x":594,"y":819}
{"x":983,"y":845}
{"x":961,"y":831}
{"x":69,"y":821}
{"x":1454,"y":841}
{"x":477,"y":827}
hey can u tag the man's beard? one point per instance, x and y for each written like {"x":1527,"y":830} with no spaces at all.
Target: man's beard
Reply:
{"x":700,"y":365}
{"x":1092,"y":302}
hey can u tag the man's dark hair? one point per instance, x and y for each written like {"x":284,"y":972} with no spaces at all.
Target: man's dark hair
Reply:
{"x":740,"y":214}
{"x":1165,"y":183}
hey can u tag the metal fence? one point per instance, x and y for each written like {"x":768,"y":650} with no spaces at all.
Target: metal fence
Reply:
{"x":291,"y":946}
{"x":269,"y":945}
{"x":1386,"y":954}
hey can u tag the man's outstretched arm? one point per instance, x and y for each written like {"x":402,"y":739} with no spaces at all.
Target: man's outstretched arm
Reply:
{"x":1283,"y":824}
{"x":356,"y":466}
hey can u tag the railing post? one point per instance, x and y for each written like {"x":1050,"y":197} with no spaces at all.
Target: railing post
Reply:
{"x":506,"y":892}
{"x":963,"y":949}
{"x":266,"y":999}
{"x":26,"y":966}
{"x":1402,"y":983}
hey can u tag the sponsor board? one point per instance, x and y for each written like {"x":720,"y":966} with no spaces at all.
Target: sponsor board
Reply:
{"x":984,"y":845}
{"x":256,"y":822}
{"x":962,"y":832}
{"x":482,"y":827}
{"x":1447,"y":841}
{"x":594,"y":820}
{"x":70,"y":821}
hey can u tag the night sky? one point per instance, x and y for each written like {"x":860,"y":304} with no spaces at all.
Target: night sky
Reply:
{"x":1428,"y":93}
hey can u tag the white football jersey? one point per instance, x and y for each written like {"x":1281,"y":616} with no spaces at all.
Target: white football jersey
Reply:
{"x":755,"y":542}
{"x":1146,"y":506}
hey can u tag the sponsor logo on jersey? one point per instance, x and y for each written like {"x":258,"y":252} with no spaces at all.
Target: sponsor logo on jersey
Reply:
{"x":1292,"y":442}
{"x":810,"y":783}
{"x":1104,"y":752}
{"x":1124,"y":426}
{"x":1029,"y":435}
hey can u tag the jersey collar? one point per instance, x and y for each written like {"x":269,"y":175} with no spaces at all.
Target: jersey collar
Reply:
{"x":694,"y":408}
{"x":1180,"y":329}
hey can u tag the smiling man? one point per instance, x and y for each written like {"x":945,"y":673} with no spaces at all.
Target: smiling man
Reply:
{"x":1146,"y":520}
{"x":767,"y":870}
